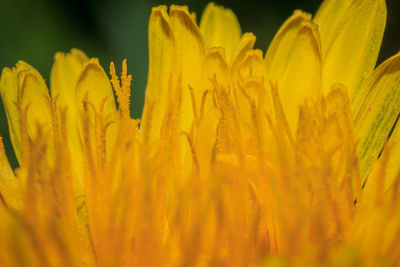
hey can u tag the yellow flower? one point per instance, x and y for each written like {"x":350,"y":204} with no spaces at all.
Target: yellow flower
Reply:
{"x":240,"y":159}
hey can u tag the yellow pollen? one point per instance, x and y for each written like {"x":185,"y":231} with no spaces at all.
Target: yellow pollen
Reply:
{"x":122,"y":89}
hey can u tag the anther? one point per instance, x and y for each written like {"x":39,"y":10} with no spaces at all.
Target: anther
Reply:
{"x":122,"y":89}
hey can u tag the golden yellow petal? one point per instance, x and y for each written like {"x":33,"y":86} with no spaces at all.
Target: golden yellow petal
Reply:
{"x":189,"y":56}
{"x":376,"y":108}
{"x":162,"y":66}
{"x":350,"y":56}
{"x":251,"y":67}
{"x":302,"y":78}
{"x":28,"y":108}
{"x":9,"y":94}
{"x":328,"y":18}
{"x":65,"y":73}
{"x":215,"y":77}
{"x":245,"y":44}
{"x":215,"y":68}
{"x":240,"y":67}
{"x":64,"y":76}
{"x":10,"y":189}
{"x":94,"y":96}
{"x":20,"y":86}
{"x":252,"y":84}
{"x":97,"y":119}
{"x":254,"y":100}
{"x":393,"y":167}
{"x":34,"y":98}
{"x":220,"y":28}
{"x":280,"y":50}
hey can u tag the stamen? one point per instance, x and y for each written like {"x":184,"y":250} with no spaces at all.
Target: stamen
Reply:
{"x":122,"y":89}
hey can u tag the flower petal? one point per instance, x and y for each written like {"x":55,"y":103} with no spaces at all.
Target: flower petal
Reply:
{"x":162,"y":64}
{"x":9,"y":94}
{"x":302,"y":78}
{"x":240,"y":53}
{"x":190,"y":55}
{"x":245,"y":44}
{"x":10,"y":188}
{"x":220,"y":28}
{"x":64,"y":76}
{"x":392,"y":166}
{"x":328,"y":18}
{"x":279,"y":52}
{"x":253,"y":101}
{"x":252,"y":85}
{"x":23,"y":89}
{"x":351,"y":51}
{"x":215,"y":68}
{"x":94,"y":88}
{"x":34,"y":96}
{"x":376,"y":108}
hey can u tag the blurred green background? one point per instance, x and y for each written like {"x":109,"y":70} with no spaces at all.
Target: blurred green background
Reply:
{"x":34,"y":30}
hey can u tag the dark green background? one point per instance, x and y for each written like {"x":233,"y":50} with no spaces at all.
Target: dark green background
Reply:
{"x":34,"y":30}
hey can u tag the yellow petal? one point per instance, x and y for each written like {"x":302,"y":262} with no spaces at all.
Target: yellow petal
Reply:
{"x":252,"y":85}
{"x":94,"y":95}
{"x":189,"y":56}
{"x":393,"y":167}
{"x":279,"y":52}
{"x":34,"y":96}
{"x":162,"y":64}
{"x":251,"y":67}
{"x":215,"y":68}
{"x":350,"y":56}
{"x":240,"y":53}
{"x":9,"y":94}
{"x":376,"y":108}
{"x":64,"y":76}
{"x":220,"y":28}
{"x":328,"y":18}
{"x":244,"y":47}
{"x":10,"y":189}
{"x":254,"y":100}
{"x":23,"y":88}
{"x":245,"y":44}
{"x":302,"y":78}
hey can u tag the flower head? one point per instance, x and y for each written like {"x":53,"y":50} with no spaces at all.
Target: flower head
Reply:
{"x":239,"y":159}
